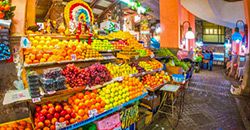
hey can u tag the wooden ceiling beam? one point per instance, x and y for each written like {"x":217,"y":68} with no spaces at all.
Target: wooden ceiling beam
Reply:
{"x":93,"y":3}
{"x":108,"y":8}
{"x":99,"y":7}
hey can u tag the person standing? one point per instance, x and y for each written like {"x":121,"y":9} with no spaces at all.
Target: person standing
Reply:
{"x":210,"y":63}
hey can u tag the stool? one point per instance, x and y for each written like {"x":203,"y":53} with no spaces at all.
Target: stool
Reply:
{"x":173,"y":94}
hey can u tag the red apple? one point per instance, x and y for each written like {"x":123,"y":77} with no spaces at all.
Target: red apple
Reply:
{"x":40,"y":125}
{"x":56,"y":115}
{"x":38,"y":108}
{"x":58,"y":108}
{"x":52,"y":127}
{"x":47,"y":122}
{"x":68,"y":110}
{"x":52,"y":110}
{"x":49,"y":116}
{"x":73,"y":115}
{"x":44,"y":107}
{"x":67,"y":117}
{"x":67,"y":122}
{"x":72,"y":121}
{"x":50,"y":105}
{"x":44,"y":111}
{"x":61,"y":119}
{"x":53,"y":121}
{"x":63,"y":113}
{"x":41,"y":118}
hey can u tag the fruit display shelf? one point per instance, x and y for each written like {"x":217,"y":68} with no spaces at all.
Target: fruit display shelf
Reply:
{"x":62,"y":37}
{"x":68,"y":61}
{"x":108,"y":51}
{"x":104,"y":114}
{"x":70,"y":91}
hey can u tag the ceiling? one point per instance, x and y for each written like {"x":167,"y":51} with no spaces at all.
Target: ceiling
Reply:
{"x":99,"y":7}
{"x":219,"y":12}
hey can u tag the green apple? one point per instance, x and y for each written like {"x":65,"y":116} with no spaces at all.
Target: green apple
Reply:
{"x":127,"y":99}
{"x":111,"y":100}
{"x":107,"y":96}
{"x":112,"y":95}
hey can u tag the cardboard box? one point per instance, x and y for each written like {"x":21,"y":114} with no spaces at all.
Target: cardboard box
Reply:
{"x":153,"y":101}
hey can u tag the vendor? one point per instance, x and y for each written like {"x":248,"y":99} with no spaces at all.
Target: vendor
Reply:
{"x":210,"y":63}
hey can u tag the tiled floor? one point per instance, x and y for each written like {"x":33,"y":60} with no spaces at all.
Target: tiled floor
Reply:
{"x":208,"y":105}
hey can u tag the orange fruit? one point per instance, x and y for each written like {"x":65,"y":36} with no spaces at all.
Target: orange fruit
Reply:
{"x":7,"y":8}
{"x":81,"y":112}
{"x":85,"y":117}
{"x":23,"y":123}
{"x":81,"y":105}
{"x":77,"y":101}
{"x":1,"y":15}
{"x":80,"y":95}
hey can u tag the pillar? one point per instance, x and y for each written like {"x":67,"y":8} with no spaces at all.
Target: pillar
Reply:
{"x":246,"y":79}
{"x":31,"y":13}
{"x":187,"y":16}
{"x":170,"y":23}
{"x":18,"y":21}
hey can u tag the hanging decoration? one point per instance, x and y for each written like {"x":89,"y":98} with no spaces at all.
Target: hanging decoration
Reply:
{"x":78,"y":11}
{"x":136,"y":5}
{"x":79,"y":17}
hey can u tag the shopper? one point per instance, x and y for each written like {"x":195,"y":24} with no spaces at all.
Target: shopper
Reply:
{"x":210,"y":63}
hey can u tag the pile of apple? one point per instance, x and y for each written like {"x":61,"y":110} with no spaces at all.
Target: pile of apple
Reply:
{"x":145,"y":65}
{"x":48,"y":114}
{"x":47,"y":49}
{"x":134,"y":86}
{"x":92,"y":75}
{"x":120,"y":44}
{"x":17,"y":125}
{"x":84,"y":102}
{"x":114,"y":94}
{"x":121,"y":70}
{"x":102,"y":45}
{"x":155,"y":64}
{"x":153,"y":81}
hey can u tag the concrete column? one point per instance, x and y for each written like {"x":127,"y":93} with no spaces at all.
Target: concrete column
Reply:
{"x":170,"y":23}
{"x":18,"y":21}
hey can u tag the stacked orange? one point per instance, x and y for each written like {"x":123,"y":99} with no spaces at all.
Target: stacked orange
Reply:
{"x":155,"y":64}
{"x":20,"y":125}
{"x":84,"y":102}
{"x":135,"y":87}
{"x":46,"y":49}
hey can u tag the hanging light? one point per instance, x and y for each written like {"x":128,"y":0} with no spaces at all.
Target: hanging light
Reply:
{"x":237,"y":37}
{"x":189,"y":34}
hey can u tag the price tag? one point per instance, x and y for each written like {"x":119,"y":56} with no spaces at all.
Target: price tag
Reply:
{"x":143,"y":73}
{"x":92,"y":113}
{"x":25,"y":43}
{"x":34,"y":100}
{"x":60,"y":125}
{"x":119,"y":79}
{"x":152,"y":56}
{"x":131,"y":75}
{"x":51,"y":92}
{"x":73,"y":56}
{"x":136,"y":57}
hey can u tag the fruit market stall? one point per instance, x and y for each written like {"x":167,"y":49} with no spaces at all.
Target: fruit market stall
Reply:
{"x":75,"y":78}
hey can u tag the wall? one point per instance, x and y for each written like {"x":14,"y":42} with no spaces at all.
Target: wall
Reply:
{"x":18,"y":24}
{"x":185,"y":15}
